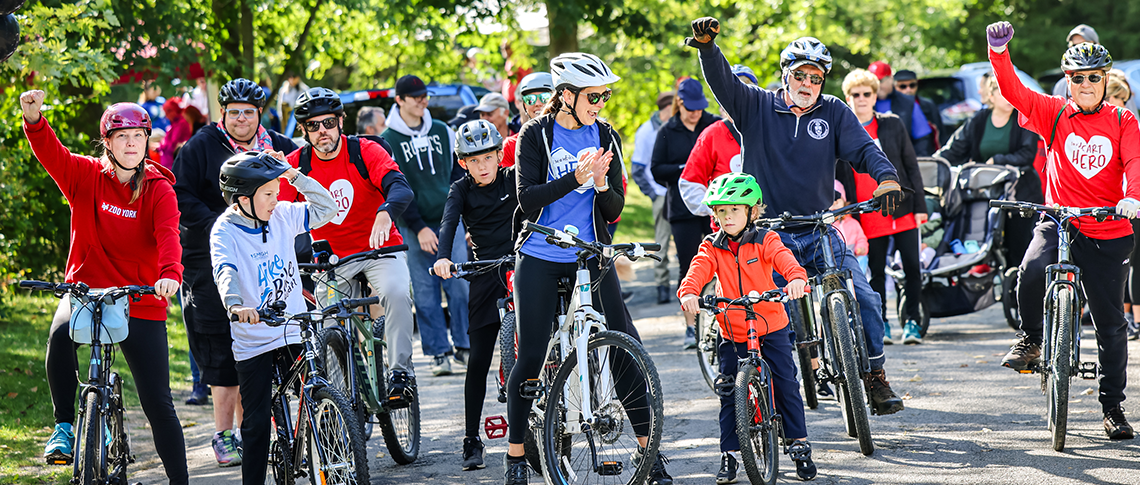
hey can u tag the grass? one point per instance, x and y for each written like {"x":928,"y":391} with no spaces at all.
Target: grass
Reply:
{"x":25,"y":402}
{"x":636,"y":223}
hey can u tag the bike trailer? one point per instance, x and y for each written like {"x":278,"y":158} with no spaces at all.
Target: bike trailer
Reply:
{"x":115,"y":315}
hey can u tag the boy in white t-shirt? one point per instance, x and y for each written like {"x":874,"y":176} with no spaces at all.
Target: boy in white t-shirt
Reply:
{"x":251,"y":250}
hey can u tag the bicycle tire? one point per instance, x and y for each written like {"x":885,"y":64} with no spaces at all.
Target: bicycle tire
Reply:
{"x":756,"y":426}
{"x":1061,"y":369}
{"x":280,"y":466}
{"x":851,"y":391}
{"x":92,"y":452}
{"x":336,"y":430}
{"x":708,"y":340}
{"x":335,"y":352}
{"x":400,"y":427}
{"x":923,"y":318}
{"x":610,"y":416}
{"x":118,"y":456}
{"x":508,"y":347}
{"x":807,"y":374}
{"x":1009,"y":298}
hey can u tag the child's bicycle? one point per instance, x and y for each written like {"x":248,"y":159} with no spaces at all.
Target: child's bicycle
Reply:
{"x":758,"y":426}
{"x":325,"y":437}
{"x":102,"y":446}
{"x":606,"y":390}
{"x":843,"y":361}
{"x":353,"y":351}
{"x":1061,"y":342}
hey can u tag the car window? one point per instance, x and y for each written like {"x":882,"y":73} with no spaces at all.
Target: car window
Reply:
{"x":944,"y":91}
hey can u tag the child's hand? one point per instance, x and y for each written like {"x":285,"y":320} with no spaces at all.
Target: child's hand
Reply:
{"x":795,"y":288}
{"x":290,"y":174}
{"x":442,"y":268}
{"x":245,"y":314}
{"x":689,"y":303}
{"x":860,"y":250}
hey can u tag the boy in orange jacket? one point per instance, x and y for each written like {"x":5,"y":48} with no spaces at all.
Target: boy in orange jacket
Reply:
{"x":743,"y":257}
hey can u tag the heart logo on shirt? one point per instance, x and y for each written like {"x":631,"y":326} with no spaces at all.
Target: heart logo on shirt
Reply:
{"x":1088,"y":157}
{"x":342,"y":193}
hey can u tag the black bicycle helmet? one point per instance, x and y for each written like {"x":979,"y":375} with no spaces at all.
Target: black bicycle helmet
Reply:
{"x":316,"y":102}
{"x":477,"y":137}
{"x":242,"y":90}
{"x":1086,"y":56}
{"x":243,"y":173}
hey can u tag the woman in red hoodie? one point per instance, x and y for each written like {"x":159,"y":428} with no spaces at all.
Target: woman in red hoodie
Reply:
{"x":124,"y":231}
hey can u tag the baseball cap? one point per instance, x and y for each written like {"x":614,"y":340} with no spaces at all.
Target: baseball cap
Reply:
{"x":880,"y":69}
{"x":410,"y":85}
{"x":692,"y":95}
{"x":905,"y":75}
{"x":1084,"y":31}
{"x":465,"y":114}
{"x":664,"y":99}
{"x":491,"y":102}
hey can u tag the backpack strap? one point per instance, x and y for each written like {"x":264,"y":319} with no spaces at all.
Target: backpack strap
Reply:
{"x":355,"y":157}
{"x":1055,"y":121}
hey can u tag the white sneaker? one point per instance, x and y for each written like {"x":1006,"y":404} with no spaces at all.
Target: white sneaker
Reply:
{"x":440,"y":366}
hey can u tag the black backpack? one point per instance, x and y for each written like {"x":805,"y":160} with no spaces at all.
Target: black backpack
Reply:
{"x":354,"y":156}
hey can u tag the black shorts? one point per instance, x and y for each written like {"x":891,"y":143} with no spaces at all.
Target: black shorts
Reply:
{"x":202,"y":305}
{"x":213,"y":352}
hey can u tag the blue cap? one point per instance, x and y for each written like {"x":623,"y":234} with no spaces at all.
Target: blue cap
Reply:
{"x":692,"y":95}
{"x":742,"y":70}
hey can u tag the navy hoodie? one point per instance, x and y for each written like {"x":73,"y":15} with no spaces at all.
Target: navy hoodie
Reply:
{"x":793,"y":158}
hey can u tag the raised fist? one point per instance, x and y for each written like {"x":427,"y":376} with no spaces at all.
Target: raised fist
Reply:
{"x":998,"y":34}
{"x":30,"y":103}
{"x":705,"y":30}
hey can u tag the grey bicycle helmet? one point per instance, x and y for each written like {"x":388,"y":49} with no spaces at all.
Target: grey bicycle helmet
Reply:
{"x":242,"y":90}
{"x":316,"y":102}
{"x":1086,"y":56}
{"x":806,"y":50}
{"x":536,"y":81}
{"x":577,"y":70}
{"x":477,"y":137}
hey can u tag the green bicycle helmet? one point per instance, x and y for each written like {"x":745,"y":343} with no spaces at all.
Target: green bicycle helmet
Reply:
{"x":733,"y":188}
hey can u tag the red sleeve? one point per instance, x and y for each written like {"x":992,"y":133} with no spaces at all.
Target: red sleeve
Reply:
{"x":165,"y":210}
{"x":783,"y":261}
{"x":509,"y":151}
{"x":1130,"y":153}
{"x":1036,"y":110}
{"x":701,"y":271}
{"x":288,"y":192}
{"x":377,"y":160}
{"x":66,"y":169}
{"x":702,"y":158}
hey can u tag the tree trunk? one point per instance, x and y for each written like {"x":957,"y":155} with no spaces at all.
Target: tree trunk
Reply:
{"x":226,"y":20}
{"x":247,"y":48}
{"x":563,"y":27}
{"x":293,"y":62}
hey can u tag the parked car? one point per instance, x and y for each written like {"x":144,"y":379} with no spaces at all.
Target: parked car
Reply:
{"x":444,"y":102}
{"x":955,"y":92}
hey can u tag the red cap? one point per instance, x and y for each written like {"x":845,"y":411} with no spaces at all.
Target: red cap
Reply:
{"x":880,"y":69}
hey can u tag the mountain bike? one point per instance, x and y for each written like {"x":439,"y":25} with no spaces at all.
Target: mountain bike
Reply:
{"x":708,"y":339}
{"x":758,"y":426}
{"x":353,"y":351}
{"x":606,"y":390}
{"x":1061,"y":342}
{"x":102,"y":446}
{"x":843,"y":359}
{"x":325,"y":438}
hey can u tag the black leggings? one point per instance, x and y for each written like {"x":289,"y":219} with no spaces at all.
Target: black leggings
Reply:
{"x":687,"y":235}
{"x":255,"y":377}
{"x":906,"y":243}
{"x":145,"y":350}
{"x":1133,"y":295}
{"x":536,"y":301}
{"x":483,"y":316}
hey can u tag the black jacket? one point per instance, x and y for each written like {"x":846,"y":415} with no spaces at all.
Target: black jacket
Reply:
{"x":902,"y":105}
{"x":965,"y":146}
{"x":935,"y":118}
{"x":670,"y":152}
{"x":896,"y":145}
{"x":487,"y":213}
{"x":532,"y":163}
{"x":196,"y":169}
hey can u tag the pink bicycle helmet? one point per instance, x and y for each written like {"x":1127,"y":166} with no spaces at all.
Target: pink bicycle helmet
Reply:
{"x":124,"y":115}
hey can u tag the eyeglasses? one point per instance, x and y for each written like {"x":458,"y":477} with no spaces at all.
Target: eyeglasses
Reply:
{"x":328,"y":123}
{"x":418,"y":99}
{"x":242,"y":113}
{"x":1080,"y":78}
{"x":910,"y":85}
{"x":602,"y":97}
{"x":816,"y":79}
{"x":537,"y":98}
{"x":867,"y":94}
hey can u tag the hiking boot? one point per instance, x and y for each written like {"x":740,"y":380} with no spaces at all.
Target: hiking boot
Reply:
{"x":440,"y":365}
{"x":1023,"y":356}
{"x":1133,"y":327}
{"x":58,"y":449}
{"x":516,"y":470}
{"x":883,"y":399}
{"x":912,"y":333}
{"x":1116,"y":426}
{"x":663,"y":295}
{"x":690,"y":338}
{"x":199,"y":395}
{"x":728,"y":466}
{"x":800,"y":451}
{"x":472,"y":453}
{"x":887,"y":338}
{"x":461,"y":356}
{"x":400,"y":393}
{"x":225,"y":449}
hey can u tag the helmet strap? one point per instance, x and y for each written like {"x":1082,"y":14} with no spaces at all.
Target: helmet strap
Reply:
{"x":263,"y":225}
{"x":241,"y":142}
{"x":573,"y":110}
{"x":138,"y":168}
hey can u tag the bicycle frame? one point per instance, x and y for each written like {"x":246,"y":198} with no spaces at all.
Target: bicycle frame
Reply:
{"x":306,"y":371}
{"x":1062,"y":273}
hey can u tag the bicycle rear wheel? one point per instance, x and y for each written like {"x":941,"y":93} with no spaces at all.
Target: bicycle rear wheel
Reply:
{"x":1060,"y":368}
{"x":796,"y":309}
{"x":92,"y":454}
{"x":400,"y":427}
{"x":119,"y":453}
{"x":508,"y":352}
{"x":280,"y":464}
{"x":625,"y":399}
{"x":756,"y":426}
{"x":340,"y":456}
{"x":851,"y":392}
{"x":708,"y":339}
{"x":337,"y":356}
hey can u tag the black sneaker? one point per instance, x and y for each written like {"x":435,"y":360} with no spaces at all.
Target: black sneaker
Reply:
{"x":657,"y":473}
{"x":1116,"y":426}
{"x":663,"y":295}
{"x":883,"y":399}
{"x":473,"y":453}
{"x":400,"y":390}
{"x":728,"y":466}
{"x":823,"y":390}
{"x":1023,"y":356}
{"x":516,"y":471}
{"x":461,"y":356}
{"x":800,"y":451}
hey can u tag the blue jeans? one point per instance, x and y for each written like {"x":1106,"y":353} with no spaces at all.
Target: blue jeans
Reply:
{"x":808,"y":252}
{"x":426,"y":295}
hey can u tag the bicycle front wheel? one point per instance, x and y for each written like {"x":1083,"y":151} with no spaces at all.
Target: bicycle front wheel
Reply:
{"x":851,"y":392}
{"x":92,"y":458}
{"x":756,"y":426}
{"x":1060,"y":368}
{"x":340,"y":450}
{"x":625,"y":403}
{"x":796,"y":309}
{"x":708,"y":339}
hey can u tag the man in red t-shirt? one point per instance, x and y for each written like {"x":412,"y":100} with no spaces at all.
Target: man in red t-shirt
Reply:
{"x":1091,"y":148}
{"x":368,"y":207}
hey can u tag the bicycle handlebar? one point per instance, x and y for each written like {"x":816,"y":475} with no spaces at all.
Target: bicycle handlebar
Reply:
{"x":1100,"y":213}
{"x":460,"y":270}
{"x":335,"y":262}
{"x":81,"y":289}
{"x":274,"y":313}
{"x":778,"y":295}
{"x":820,"y":218}
{"x":567,"y":240}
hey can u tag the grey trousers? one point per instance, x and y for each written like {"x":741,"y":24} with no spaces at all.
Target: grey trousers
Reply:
{"x":661,"y":234}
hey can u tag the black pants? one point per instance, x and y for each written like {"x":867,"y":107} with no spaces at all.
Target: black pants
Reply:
{"x":1134,"y":273}
{"x":1018,"y":234}
{"x":906,"y":243}
{"x":687,"y":235}
{"x":1103,"y":272}
{"x":483,"y":318}
{"x":256,"y":386}
{"x":145,"y":350}
{"x":536,"y":301}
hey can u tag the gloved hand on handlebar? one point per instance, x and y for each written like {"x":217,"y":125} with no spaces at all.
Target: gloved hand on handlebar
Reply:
{"x":1128,"y":207}
{"x":998,"y":34}
{"x":889,"y":194}
{"x":795,"y":288}
{"x":705,"y":30}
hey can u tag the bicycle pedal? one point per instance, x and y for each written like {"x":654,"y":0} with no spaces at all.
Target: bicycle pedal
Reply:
{"x":495,"y":427}
{"x":1088,"y":370}
{"x":610,"y":468}
{"x":532,"y":389}
{"x":503,"y":395}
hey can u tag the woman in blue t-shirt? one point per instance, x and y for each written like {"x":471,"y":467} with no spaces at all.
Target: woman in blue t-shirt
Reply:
{"x":569,"y":172}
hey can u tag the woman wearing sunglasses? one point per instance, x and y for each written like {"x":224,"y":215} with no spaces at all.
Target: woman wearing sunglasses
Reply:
{"x":535,"y":90}
{"x":1091,"y":148}
{"x":569,"y":172}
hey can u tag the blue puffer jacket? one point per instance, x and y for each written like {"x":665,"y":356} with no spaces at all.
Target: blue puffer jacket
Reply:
{"x":793,"y":158}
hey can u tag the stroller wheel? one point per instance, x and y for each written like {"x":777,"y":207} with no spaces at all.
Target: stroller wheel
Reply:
{"x":923,"y":317}
{"x":1009,"y":298}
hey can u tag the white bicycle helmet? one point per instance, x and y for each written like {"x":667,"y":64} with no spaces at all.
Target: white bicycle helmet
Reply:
{"x":578,"y":70}
{"x":536,"y":81}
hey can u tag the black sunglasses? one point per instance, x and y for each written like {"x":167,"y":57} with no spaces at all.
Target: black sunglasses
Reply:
{"x":911,"y":85}
{"x":328,"y":123}
{"x":816,"y":79}
{"x":595,"y":98}
{"x":1080,"y":78}
{"x":867,"y":94}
